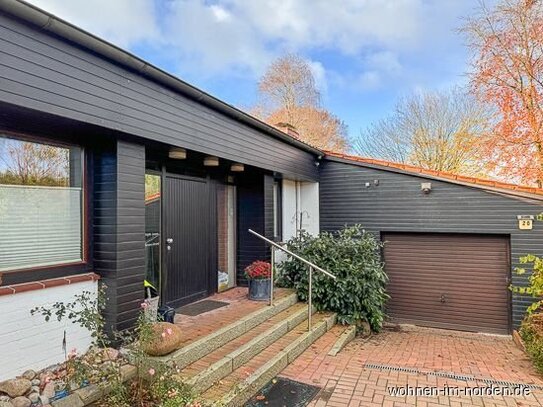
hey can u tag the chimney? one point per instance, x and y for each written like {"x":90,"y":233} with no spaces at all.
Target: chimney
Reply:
{"x":289,"y":129}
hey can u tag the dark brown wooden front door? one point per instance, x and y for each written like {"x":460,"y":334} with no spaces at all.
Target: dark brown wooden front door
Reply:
{"x":187,"y":240}
{"x":450,"y":281}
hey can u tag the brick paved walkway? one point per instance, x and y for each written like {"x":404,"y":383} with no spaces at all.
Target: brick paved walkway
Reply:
{"x":347,"y":382}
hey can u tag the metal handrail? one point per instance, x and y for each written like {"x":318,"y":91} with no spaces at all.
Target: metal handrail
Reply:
{"x":312,"y":267}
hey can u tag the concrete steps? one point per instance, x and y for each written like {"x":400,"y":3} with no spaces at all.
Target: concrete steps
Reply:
{"x":197,"y":349}
{"x":230,"y":365}
{"x":247,"y":378}
{"x":222,"y":361}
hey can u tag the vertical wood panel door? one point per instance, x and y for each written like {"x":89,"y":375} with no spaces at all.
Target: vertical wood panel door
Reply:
{"x":187,"y":229}
{"x":449,"y":281}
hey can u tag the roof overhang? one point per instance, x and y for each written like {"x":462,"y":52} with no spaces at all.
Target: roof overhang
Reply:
{"x":63,"y":29}
{"x":501,"y":191}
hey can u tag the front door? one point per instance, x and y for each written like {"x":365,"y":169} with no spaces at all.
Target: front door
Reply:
{"x":187,"y":233}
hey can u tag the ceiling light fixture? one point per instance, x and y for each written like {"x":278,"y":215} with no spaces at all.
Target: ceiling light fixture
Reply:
{"x":177,"y":153}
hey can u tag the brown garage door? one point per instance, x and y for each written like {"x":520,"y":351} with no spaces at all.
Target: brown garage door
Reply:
{"x":448,"y":281}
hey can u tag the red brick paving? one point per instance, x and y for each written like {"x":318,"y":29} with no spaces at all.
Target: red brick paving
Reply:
{"x":239,"y":306}
{"x":346,"y":382}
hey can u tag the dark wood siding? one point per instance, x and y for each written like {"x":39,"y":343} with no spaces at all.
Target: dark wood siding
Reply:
{"x":397,"y":205}
{"x":119,"y":229}
{"x":251,"y":214}
{"x":452,"y":281}
{"x":45,"y":73}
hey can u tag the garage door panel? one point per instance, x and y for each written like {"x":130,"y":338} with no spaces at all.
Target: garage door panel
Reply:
{"x":453,"y":318}
{"x":430,"y":285}
{"x":470,"y":270}
{"x":452,"y":306}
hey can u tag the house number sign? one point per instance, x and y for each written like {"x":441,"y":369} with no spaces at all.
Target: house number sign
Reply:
{"x":525,"y":222}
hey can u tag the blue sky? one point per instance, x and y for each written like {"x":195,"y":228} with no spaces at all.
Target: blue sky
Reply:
{"x":365,"y":54}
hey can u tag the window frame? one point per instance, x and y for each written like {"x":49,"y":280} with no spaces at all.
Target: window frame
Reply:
{"x":18,"y":275}
{"x":278,"y":210}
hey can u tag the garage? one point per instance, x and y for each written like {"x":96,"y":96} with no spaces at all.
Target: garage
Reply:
{"x":453,"y":241}
{"x":453,"y":281}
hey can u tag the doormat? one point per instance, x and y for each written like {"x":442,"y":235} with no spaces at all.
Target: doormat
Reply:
{"x":200,"y":307}
{"x":282,"y":392}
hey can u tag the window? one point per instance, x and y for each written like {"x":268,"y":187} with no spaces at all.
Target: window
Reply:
{"x":41,"y":204}
{"x":152,"y":228}
{"x":277,"y":211}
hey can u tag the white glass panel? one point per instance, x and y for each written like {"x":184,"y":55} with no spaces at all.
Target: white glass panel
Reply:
{"x":39,"y":226}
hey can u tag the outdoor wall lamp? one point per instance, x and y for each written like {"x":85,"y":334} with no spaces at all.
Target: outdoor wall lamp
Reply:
{"x":211,"y":161}
{"x":237,"y":167}
{"x":426,"y":187}
{"x":177,"y":153}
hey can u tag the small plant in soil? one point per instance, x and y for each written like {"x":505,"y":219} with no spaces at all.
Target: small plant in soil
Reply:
{"x":155,"y":384}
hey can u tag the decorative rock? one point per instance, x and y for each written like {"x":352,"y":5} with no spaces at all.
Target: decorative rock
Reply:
{"x":49,"y":390}
{"x":34,"y":397}
{"x":5,"y":398}
{"x":128,"y":372}
{"x":6,"y":404}
{"x":15,"y":387}
{"x":21,"y":402}
{"x":167,"y":338}
{"x":111,"y":354}
{"x":35,"y":389}
{"x":36,"y":382}
{"x":73,"y":400}
{"x":90,"y":394}
{"x":29,"y":374}
{"x":44,"y":400}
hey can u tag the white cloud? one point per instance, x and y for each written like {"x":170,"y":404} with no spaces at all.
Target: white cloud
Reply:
{"x":319,"y":73}
{"x":122,"y":22}
{"x":213,"y":38}
{"x":375,"y":39}
{"x":349,"y":26}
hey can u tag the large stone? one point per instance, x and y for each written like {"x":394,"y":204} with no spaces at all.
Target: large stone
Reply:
{"x":128,"y":372}
{"x":6,"y":404}
{"x":111,"y":354}
{"x":16,"y":387}
{"x":44,"y":400}
{"x":21,"y":402}
{"x":34,"y":397}
{"x":166,"y":339}
{"x":49,"y":390}
{"x":73,"y":400}
{"x":29,"y":374}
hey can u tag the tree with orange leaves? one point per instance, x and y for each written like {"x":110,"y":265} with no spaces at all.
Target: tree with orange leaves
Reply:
{"x":289,"y":96}
{"x":507,"y":72}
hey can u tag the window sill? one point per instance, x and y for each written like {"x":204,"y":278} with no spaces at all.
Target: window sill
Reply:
{"x":53,"y":282}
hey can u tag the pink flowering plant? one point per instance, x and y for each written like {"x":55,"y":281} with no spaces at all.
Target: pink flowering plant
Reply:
{"x":155,"y":384}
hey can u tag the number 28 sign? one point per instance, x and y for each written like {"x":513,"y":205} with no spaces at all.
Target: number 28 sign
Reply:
{"x":525,"y":222}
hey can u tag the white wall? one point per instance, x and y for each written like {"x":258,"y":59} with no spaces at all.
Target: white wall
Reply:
{"x":300,"y":199}
{"x":309,"y":195}
{"x":28,"y":342}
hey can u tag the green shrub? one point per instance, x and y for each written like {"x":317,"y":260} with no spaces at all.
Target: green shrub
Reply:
{"x":531,"y":332}
{"x":354,"y":257}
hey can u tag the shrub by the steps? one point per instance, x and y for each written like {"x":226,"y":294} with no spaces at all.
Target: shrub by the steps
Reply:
{"x":531,"y":332}
{"x":352,"y":255}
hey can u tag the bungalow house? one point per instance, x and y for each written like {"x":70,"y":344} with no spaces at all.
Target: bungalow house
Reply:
{"x":113,"y":169}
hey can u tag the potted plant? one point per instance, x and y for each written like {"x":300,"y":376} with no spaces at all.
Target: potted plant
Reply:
{"x":258,"y":273}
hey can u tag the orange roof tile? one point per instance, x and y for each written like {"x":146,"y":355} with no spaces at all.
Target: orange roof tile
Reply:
{"x":478,"y":182}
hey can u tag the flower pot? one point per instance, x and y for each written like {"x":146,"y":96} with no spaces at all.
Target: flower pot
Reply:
{"x":259,"y":290}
